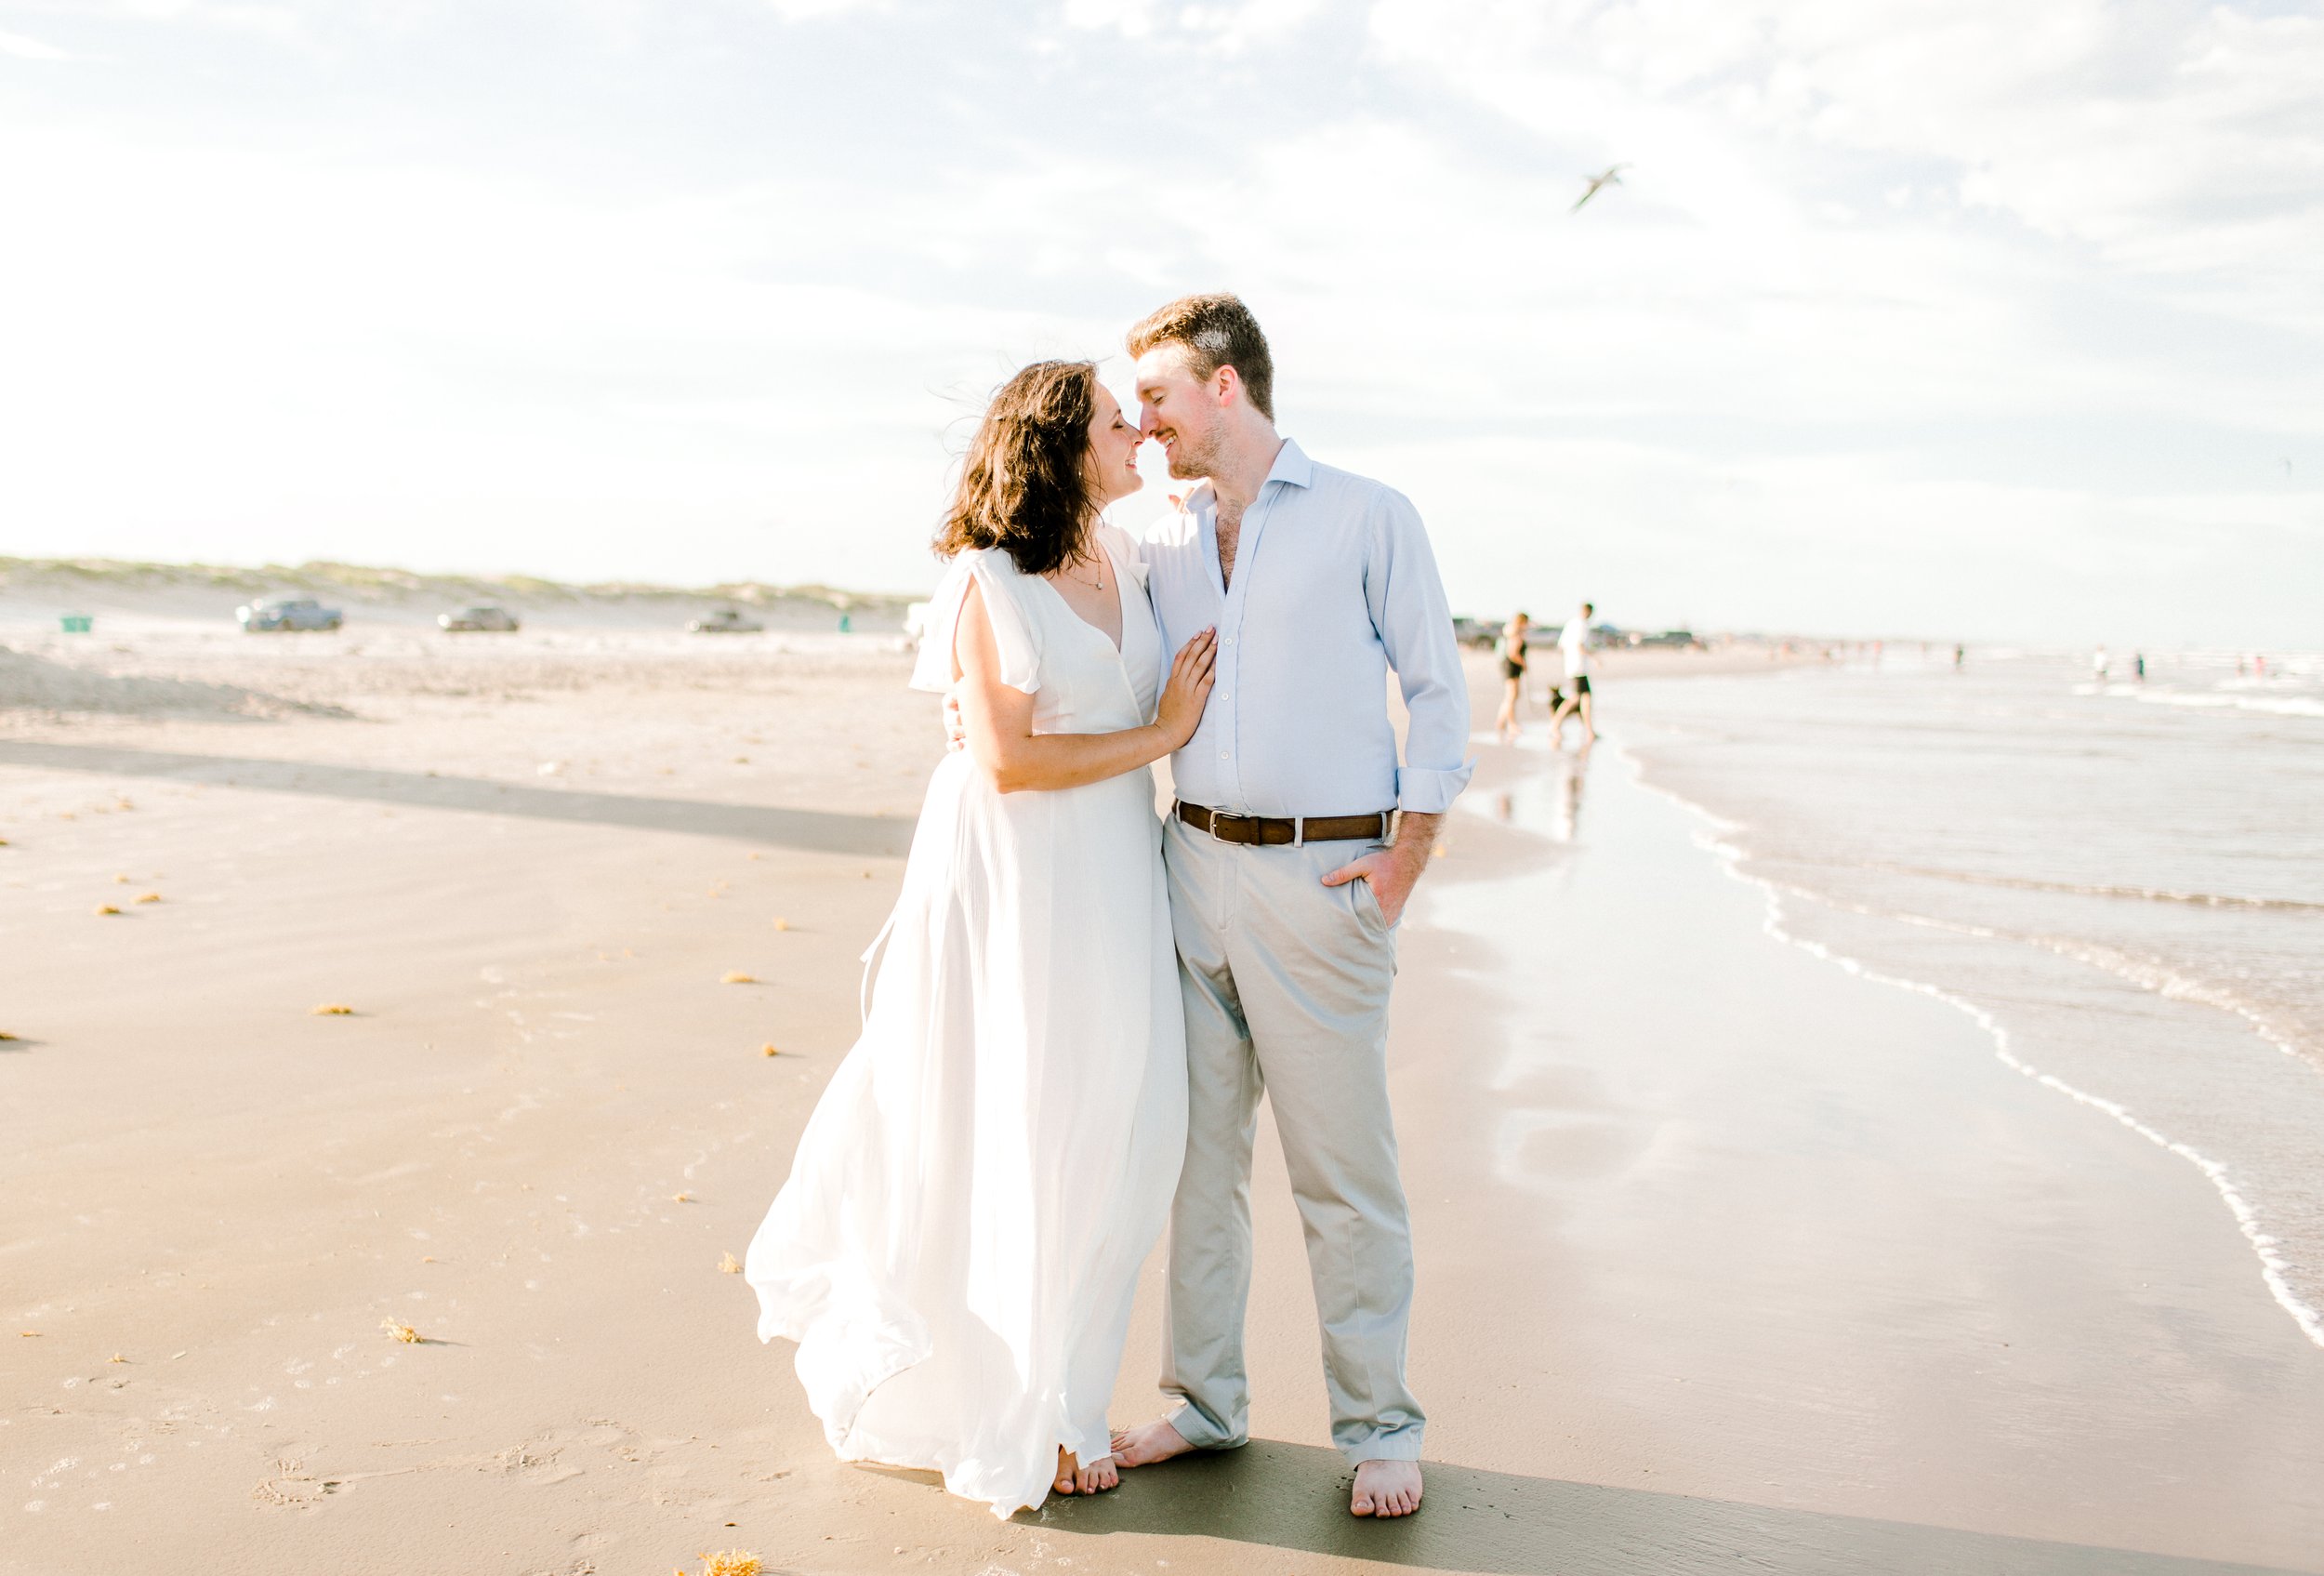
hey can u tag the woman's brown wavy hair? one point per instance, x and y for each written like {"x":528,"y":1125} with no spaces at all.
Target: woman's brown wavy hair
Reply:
{"x":1025,"y":487}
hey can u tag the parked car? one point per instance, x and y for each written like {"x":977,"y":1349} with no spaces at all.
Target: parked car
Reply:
{"x":487,"y":618}
{"x":1486,"y":632}
{"x":725,"y":621}
{"x":296,"y":613}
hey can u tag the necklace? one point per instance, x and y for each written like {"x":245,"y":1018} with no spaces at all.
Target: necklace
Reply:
{"x":1097,"y":566}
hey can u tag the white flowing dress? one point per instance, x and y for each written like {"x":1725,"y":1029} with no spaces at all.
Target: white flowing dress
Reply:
{"x":957,"y":1245}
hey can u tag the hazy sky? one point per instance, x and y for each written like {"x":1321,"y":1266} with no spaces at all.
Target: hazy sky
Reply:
{"x":1929,"y":316}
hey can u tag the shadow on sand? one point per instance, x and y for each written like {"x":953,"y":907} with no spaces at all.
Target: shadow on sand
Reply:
{"x":818,"y":831}
{"x":1284,"y":1496}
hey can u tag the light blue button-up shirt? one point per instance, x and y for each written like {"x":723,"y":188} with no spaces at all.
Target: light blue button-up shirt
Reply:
{"x":1334,"y":587}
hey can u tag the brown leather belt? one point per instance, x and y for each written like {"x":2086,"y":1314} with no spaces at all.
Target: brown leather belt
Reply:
{"x":1269,"y":831}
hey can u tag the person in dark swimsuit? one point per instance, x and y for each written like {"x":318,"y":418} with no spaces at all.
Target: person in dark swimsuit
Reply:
{"x":1512,"y":647}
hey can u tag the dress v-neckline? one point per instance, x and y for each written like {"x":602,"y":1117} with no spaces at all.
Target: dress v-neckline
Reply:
{"x":1121,"y":607}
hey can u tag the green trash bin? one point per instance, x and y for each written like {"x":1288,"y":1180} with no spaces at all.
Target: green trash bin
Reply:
{"x":76,"y":623}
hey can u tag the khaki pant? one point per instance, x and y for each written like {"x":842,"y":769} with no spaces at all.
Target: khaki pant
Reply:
{"x":1287,"y":985}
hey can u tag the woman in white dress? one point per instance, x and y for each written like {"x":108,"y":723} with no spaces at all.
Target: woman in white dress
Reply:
{"x":957,"y":1245}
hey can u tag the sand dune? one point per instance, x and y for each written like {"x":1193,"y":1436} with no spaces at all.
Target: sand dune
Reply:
{"x":35,"y":592}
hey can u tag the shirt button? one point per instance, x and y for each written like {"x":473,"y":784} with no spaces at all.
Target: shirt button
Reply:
{"x":1230,"y":640}
{"x":1222,"y":755}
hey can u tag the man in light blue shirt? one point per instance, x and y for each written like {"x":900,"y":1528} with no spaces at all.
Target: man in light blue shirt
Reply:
{"x":1294,"y":845}
{"x":1332,"y":588}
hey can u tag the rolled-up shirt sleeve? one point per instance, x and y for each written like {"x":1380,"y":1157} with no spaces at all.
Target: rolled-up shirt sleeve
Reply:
{"x":1415,"y":625}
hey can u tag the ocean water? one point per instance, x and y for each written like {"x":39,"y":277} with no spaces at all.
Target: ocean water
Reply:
{"x":2122,"y":881}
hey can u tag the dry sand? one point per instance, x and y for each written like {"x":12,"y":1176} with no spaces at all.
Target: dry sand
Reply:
{"x":1729,"y":1260}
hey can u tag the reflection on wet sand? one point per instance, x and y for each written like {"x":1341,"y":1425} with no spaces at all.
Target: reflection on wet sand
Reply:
{"x":1560,"y":784}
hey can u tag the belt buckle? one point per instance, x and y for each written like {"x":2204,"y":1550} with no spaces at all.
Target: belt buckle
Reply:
{"x":1217,"y":815}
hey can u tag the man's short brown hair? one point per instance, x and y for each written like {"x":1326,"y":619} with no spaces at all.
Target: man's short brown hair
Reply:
{"x":1217,"y":331}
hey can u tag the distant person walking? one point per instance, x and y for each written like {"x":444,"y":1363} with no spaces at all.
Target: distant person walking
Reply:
{"x":1573,"y":644}
{"x":1512,"y":648}
{"x":2098,"y":665}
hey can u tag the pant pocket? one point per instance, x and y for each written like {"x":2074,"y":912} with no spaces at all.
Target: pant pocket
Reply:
{"x":1365,"y":902}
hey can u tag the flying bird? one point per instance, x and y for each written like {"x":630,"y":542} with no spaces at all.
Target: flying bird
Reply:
{"x":1613,"y":177}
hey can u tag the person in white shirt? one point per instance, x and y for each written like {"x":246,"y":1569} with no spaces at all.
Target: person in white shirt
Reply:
{"x":1573,"y":644}
{"x":1293,"y":848}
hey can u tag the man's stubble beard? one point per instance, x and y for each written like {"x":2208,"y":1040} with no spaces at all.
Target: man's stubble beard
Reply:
{"x":1193,"y":462}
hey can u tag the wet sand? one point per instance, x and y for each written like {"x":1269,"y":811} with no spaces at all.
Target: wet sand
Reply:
{"x":1728,"y":1258}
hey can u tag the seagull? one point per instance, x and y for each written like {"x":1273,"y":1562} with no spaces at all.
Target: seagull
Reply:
{"x":1613,"y":177}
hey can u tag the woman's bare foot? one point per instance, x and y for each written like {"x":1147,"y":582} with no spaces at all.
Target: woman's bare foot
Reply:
{"x":1148,"y":1443}
{"x":1386,"y":1487}
{"x":1074,"y":1478}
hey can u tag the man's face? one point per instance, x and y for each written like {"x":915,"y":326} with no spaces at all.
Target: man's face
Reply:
{"x":1178,"y":410}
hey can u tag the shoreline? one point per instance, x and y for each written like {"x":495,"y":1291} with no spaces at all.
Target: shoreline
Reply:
{"x":2090,"y":1318}
{"x":2272,"y":1264}
{"x":2159,"y":987}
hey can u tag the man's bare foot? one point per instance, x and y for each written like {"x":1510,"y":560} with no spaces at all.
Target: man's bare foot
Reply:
{"x":1074,"y":1478}
{"x":1148,"y":1443}
{"x":1386,"y":1487}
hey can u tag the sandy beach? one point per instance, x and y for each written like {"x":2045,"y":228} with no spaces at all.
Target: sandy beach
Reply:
{"x":1729,"y":1258}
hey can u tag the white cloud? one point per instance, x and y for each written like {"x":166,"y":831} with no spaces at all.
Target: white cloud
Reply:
{"x":1132,"y":18}
{"x":1224,"y":26}
{"x":274,"y":18}
{"x":809,"y":10}
{"x":2189,"y":141}
{"x":23,"y":48}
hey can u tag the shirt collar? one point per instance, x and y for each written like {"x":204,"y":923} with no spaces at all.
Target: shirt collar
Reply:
{"x":1291,"y":467}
